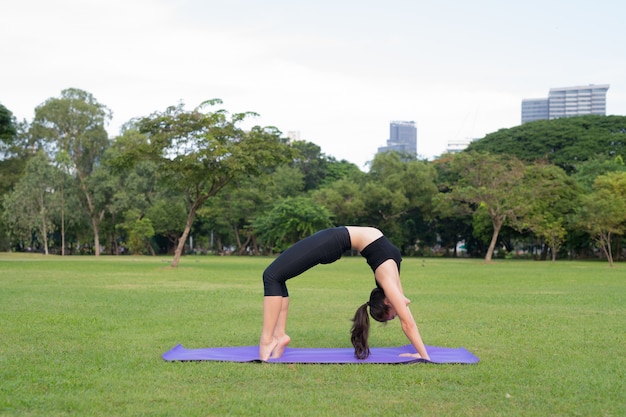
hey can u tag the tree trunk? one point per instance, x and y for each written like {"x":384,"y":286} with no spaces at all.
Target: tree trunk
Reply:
{"x":494,"y":239}
{"x":96,"y":236}
{"x":554,"y":250}
{"x":44,"y":232}
{"x":95,"y":217}
{"x":62,"y":221}
{"x":243,"y":247}
{"x":237,"y":239}
{"x":255,"y":245}
{"x":181,"y":243}
{"x":605,"y":241}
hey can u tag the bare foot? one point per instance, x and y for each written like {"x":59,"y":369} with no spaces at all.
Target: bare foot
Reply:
{"x":280,"y":347}
{"x":265,"y":349}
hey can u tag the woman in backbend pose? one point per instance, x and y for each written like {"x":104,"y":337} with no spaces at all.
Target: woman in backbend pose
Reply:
{"x":386,"y":300}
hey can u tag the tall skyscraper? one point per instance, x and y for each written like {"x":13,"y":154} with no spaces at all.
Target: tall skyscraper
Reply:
{"x":402,"y":138}
{"x":535,"y":109}
{"x":566,"y":102}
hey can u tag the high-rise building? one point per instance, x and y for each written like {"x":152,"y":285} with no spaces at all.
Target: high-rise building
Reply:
{"x":566,"y":102}
{"x":535,"y":109}
{"x":402,"y":138}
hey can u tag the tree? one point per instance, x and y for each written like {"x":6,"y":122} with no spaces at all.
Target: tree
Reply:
{"x":587,"y":171}
{"x":7,"y":127}
{"x":398,"y":195}
{"x":603,"y":212}
{"x":67,"y":200}
{"x":231,"y":214}
{"x":452,"y":222}
{"x":199,"y":152}
{"x":344,"y":200}
{"x":552,"y":197}
{"x":139,"y":231}
{"x":75,"y":124}
{"x":168,"y":215}
{"x":291,"y":220}
{"x":489,"y":182}
{"x":11,"y":165}
{"x":285,"y":181}
{"x":27,"y":208}
{"x":313,"y":164}
{"x":565,"y":142}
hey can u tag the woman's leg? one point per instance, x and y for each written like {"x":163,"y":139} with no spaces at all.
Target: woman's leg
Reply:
{"x":280,"y":330}
{"x":272,"y":306}
{"x":274,"y":338}
{"x":324,"y":247}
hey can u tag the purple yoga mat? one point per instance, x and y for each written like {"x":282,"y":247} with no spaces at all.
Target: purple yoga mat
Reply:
{"x":320,"y":355}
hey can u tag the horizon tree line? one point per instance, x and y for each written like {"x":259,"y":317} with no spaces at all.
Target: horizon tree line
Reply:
{"x":193,"y":180}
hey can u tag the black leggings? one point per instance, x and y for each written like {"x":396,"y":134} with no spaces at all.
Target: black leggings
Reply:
{"x":324,"y":247}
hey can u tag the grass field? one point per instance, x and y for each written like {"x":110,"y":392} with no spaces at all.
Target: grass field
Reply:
{"x":83,"y":337}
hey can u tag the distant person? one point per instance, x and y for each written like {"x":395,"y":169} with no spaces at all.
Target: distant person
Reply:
{"x":386,"y":301}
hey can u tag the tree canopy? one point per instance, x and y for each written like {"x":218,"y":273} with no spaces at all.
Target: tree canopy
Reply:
{"x":199,"y":152}
{"x":7,"y":125}
{"x":563,"y":142}
{"x":74,"y":125}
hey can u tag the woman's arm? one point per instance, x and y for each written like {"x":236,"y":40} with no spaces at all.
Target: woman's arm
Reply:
{"x":412,"y":333}
{"x":389,"y":279}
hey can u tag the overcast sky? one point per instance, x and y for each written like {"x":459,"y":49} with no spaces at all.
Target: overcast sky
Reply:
{"x":336,"y":71}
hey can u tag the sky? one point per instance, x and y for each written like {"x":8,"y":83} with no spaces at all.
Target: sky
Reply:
{"x":336,"y":71}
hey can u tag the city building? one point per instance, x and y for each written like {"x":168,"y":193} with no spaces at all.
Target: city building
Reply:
{"x":293,"y":135}
{"x":455,"y":146}
{"x":534,"y":109}
{"x":402,"y":138}
{"x":566,"y":102}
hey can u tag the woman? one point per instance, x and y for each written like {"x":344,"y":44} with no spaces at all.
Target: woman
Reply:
{"x":386,"y":300}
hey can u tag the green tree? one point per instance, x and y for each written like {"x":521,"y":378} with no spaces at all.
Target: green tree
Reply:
{"x":398,"y":194}
{"x":244,"y":201}
{"x":27,"y":209}
{"x":168,"y":215}
{"x":452,"y":222}
{"x":75,"y":124}
{"x":603,"y":212}
{"x":11,"y":165}
{"x":313,"y":164}
{"x":286,"y":181}
{"x":139,"y":231}
{"x":229,"y":217}
{"x":565,"y":142}
{"x":67,"y":201}
{"x":344,"y":200}
{"x":489,"y":182}
{"x":290,"y":220}
{"x":552,"y":197}
{"x":199,"y":152}
{"x":587,"y":171}
{"x":341,"y":170}
{"x":8,"y":131}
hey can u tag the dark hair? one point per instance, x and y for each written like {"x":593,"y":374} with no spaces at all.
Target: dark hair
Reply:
{"x":361,"y":322}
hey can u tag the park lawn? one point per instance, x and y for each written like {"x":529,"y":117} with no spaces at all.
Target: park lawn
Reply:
{"x":83,"y":336}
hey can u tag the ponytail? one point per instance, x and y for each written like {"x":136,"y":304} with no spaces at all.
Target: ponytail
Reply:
{"x":360,"y":332}
{"x":361,"y":322}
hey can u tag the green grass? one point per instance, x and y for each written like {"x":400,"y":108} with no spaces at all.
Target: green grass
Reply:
{"x":83,"y":337}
